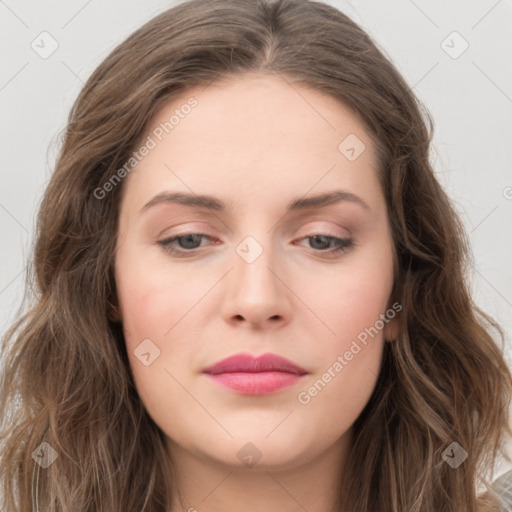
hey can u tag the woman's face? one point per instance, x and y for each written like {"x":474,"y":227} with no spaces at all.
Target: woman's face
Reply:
{"x":264,"y":270}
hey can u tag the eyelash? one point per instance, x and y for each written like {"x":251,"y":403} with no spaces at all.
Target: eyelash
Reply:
{"x":342,"y":244}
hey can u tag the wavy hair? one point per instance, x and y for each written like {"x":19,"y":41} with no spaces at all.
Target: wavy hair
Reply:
{"x":66,"y":379}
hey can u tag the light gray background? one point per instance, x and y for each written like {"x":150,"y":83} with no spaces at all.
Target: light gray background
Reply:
{"x":469,"y":97}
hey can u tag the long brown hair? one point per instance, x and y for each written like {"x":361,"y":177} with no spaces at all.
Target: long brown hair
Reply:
{"x":66,"y":379}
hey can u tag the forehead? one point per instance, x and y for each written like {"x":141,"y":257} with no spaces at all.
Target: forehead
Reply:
{"x":261,"y":111}
{"x":256,"y":136}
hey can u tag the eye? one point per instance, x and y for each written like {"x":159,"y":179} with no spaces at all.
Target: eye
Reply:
{"x":334,"y":244}
{"x":190,"y":242}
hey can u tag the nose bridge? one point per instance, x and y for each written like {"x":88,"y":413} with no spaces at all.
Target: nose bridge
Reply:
{"x":255,"y":292}
{"x":255,"y":259}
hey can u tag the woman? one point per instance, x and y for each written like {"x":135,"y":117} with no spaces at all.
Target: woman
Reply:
{"x":319,"y":351}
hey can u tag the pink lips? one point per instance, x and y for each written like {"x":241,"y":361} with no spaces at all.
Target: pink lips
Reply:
{"x":255,"y":376}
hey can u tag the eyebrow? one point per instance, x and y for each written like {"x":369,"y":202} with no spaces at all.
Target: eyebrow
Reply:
{"x":213,"y":203}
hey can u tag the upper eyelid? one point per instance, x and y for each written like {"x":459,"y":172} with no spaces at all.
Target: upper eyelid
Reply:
{"x":314,"y":230}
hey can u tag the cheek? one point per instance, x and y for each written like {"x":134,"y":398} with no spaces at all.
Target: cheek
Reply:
{"x":149,"y":308}
{"x":141,"y":308}
{"x":151,"y":300}
{"x":354,"y":304}
{"x":350,"y":356}
{"x":154,"y":306}
{"x":349,"y":301}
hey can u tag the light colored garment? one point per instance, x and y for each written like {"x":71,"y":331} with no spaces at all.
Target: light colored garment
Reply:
{"x":503,"y":487}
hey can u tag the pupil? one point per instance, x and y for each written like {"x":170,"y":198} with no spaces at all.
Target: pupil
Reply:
{"x":188,"y":239}
{"x":317,"y":237}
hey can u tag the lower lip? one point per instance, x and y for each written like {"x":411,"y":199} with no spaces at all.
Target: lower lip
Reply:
{"x":260,"y":383}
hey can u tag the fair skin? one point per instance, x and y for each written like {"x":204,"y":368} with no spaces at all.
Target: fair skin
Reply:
{"x":259,"y":144}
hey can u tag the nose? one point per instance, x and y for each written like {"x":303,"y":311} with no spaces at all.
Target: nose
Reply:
{"x":256,"y":291}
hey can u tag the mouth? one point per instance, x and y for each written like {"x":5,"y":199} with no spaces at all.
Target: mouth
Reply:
{"x":246,"y":374}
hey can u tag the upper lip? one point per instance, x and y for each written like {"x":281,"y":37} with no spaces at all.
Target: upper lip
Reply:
{"x":247,"y":363}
